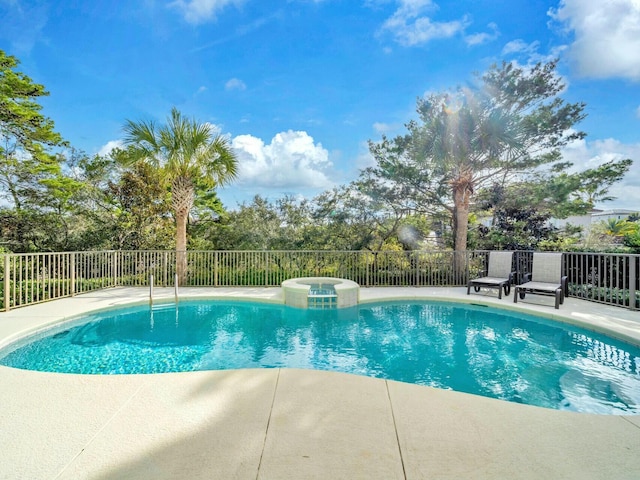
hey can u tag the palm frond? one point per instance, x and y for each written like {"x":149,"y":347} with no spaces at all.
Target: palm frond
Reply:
{"x":184,"y":148}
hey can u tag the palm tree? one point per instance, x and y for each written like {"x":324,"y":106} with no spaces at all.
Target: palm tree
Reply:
{"x":465,"y":147}
{"x":619,"y":228}
{"x":186,"y":152}
{"x":505,"y":127}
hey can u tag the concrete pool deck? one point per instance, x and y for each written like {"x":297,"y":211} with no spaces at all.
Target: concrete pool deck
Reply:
{"x":298,"y":424}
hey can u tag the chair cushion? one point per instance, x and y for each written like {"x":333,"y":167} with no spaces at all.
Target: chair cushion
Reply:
{"x":544,"y":286}
{"x":489,"y":281}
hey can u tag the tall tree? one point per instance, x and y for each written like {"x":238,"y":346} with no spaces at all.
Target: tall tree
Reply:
{"x":32,"y":182}
{"x":283,"y":224}
{"x":187,"y":153}
{"x":363,"y":215}
{"x":22,"y":125}
{"x":120,"y":208}
{"x":511,"y":122}
{"x":595,"y":182}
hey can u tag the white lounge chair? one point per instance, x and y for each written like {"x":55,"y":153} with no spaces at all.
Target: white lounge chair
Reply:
{"x":500,"y":274}
{"x":545,"y":278}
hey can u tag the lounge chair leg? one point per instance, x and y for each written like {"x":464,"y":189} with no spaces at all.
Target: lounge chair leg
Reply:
{"x":515,"y":295}
{"x":558,"y":293}
{"x":468,"y":288}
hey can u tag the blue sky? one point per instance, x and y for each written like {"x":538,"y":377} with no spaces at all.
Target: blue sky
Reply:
{"x":300,"y":86}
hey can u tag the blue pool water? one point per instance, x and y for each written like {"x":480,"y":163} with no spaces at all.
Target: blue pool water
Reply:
{"x":471,"y":349}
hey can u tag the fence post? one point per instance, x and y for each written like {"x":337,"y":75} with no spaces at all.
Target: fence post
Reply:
{"x":114,"y":268}
{"x":366,"y":269}
{"x":215,"y":269}
{"x":467,"y":275}
{"x":632,"y":282}
{"x":151,"y":289}
{"x":7,"y":283}
{"x":72,"y":278}
{"x":165,"y":268}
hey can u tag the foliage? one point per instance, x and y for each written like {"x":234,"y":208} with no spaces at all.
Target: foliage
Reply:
{"x":615,"y":296}
{"x":352,"y":217}
{"x":186,"y":154}
{"x":499,"y":144}
{"x":516,"y":229}
{"x":141,"y":210}
{"x":364,"y":215}
{"x":632,"y":240}
{"x":262,"y":225}
{"x":512,"y":122}
{"x":618,"y":228}
{"x":22,"y":125}
{"x":611,"y":236}
{"x":595,"y":182}
{"x":631,"y":236}
{"x":489,"y":150}
{"x":37,"y":194}
{"x":520,"y":218}
{"x":121,"y":208}
{"x":207,"y":212}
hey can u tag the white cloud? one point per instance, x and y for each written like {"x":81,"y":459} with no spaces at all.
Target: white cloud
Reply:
{"x":410,"y":26}
{"x":381,"y":128}
{"x":528,"y":52}
{"x":519,"y":46}
{"x":292,"y":161}
{"x":483,"y":37}
{"x":584,"y":155}
{"x":110,"y":145}
{"x":200,"y":11}
{"x":607,"y":36}
{"x":235,"y":84}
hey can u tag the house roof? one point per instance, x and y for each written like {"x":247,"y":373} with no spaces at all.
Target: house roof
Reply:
{"x":616,"y":211}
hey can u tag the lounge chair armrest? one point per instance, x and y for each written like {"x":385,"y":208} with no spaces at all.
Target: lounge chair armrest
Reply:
{"x":512,"y":278}
{"x":565,"y":286}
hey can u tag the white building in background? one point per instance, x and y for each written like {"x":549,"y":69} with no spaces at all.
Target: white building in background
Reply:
{"x":596,"y":216}
{"x":617,"y":214}
{"x":583,"y":221}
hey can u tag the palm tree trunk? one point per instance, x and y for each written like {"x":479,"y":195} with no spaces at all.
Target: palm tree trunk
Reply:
{"x":182,"y":192}
{"x":181,"y":246}
{"x":461,"y":228}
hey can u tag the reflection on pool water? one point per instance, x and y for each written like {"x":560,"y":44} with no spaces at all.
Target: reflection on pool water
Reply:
{"x":466,"y":348}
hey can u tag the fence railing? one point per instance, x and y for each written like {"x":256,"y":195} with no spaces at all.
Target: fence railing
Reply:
{"x":39,"y":277}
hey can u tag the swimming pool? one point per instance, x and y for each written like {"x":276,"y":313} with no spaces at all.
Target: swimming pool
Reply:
{"x":467,"y":348}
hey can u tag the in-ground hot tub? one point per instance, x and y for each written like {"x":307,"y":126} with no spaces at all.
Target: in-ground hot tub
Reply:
{"x":320,"y":292}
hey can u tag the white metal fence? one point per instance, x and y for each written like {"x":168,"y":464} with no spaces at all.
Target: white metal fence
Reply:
{"x":39,"y":277}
